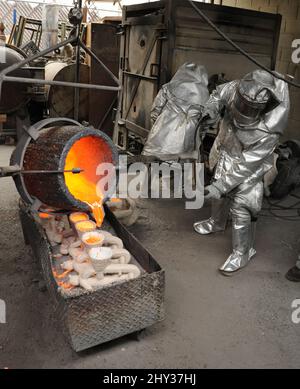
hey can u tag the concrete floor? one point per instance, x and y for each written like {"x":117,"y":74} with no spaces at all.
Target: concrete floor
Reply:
{"x":212,"y":321}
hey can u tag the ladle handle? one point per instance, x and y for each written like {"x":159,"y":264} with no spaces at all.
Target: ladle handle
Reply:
{"x":74,"y":171}
{"x":9,"y":171}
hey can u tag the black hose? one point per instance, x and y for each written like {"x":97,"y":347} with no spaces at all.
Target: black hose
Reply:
{"x":238,"y":48}
{"x":275,"y":207}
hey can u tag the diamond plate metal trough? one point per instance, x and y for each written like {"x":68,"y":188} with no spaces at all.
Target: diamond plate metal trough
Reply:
{"x":92,"y":318}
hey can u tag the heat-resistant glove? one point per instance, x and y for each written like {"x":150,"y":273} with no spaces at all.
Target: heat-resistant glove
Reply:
{"x":211,"y":192}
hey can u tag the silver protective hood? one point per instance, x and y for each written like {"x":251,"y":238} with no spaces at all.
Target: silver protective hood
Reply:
{"x":261,"y":100}
{"x":276,"y":120}
{"x":244,"y":153}
{"x":273,"y":119}
{"x":176,"y":112}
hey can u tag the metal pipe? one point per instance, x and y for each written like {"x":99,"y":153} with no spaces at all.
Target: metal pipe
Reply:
{"x":36,"y":56}
{"x":87,"y":50}
{"x":75,"y":170}
{"x":60,"y":83}
{"x":77,"y":74}
{"x":9,"y":171}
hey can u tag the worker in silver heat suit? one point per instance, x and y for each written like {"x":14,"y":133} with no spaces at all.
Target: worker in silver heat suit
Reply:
{"x":253,"y":113}
{"x":175,"y":114}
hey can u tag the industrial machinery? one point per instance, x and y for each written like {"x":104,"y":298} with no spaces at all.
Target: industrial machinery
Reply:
{"x":60,"y":100}
{"x":30,"y":102}
{"x":12,"y":75}
{"x":160,"y":36}
{"x":55,"y":170}
{"x":43,"y":169}
{"x":23,"y":104}
{"x":14,"y":97}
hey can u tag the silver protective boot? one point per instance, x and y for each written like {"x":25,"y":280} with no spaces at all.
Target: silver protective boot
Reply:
{"x":218,"y":220}
{"x":243,"y":235}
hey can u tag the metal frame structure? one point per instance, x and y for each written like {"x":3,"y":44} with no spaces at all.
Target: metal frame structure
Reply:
{"x":32,"y":25}
{"x":17,"y":33}
{"x":160,"y":36}
{"x":77,"y":41}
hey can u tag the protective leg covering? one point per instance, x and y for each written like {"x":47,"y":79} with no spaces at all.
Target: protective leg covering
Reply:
{"x":246,"y":205}
{"x":218,"y":220}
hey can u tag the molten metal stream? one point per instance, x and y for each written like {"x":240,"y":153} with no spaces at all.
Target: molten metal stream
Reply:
{"x":88,"y":153}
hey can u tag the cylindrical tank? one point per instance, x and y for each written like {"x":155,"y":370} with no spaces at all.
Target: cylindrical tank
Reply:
{"x":13,"y":95}
{"x":60,"y":98}
{"x":63,"y":148}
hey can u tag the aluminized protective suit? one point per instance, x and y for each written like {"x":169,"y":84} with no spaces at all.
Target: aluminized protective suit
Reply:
{"x":256,"y":112}
{"x":176,"y":112}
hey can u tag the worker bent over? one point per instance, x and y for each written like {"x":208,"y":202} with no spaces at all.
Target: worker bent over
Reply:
{"x":253,"y":113}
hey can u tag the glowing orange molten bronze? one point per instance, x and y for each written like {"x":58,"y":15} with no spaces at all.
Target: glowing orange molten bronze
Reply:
{"x":115,"y":200}
{"x":88,"y":153}
{"x":78,"y":217}
{"x":44,"y":215}
{"x":62,"y":284}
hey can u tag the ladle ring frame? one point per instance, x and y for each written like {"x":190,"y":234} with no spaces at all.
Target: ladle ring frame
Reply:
{"x":5,"y":78}
{"x":32,"y":132}
{"x":69,"y":199}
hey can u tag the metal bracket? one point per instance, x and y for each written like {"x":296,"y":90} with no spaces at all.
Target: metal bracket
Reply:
{"x":154,"y":70}
{"x":9,"y":171}
{"x":36,"y":205}
{"x":33,"y":131}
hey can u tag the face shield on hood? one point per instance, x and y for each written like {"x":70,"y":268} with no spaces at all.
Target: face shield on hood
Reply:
{"x":253,"y":97}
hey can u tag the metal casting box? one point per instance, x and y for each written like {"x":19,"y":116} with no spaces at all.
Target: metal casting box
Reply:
{"x":92,"y":318}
